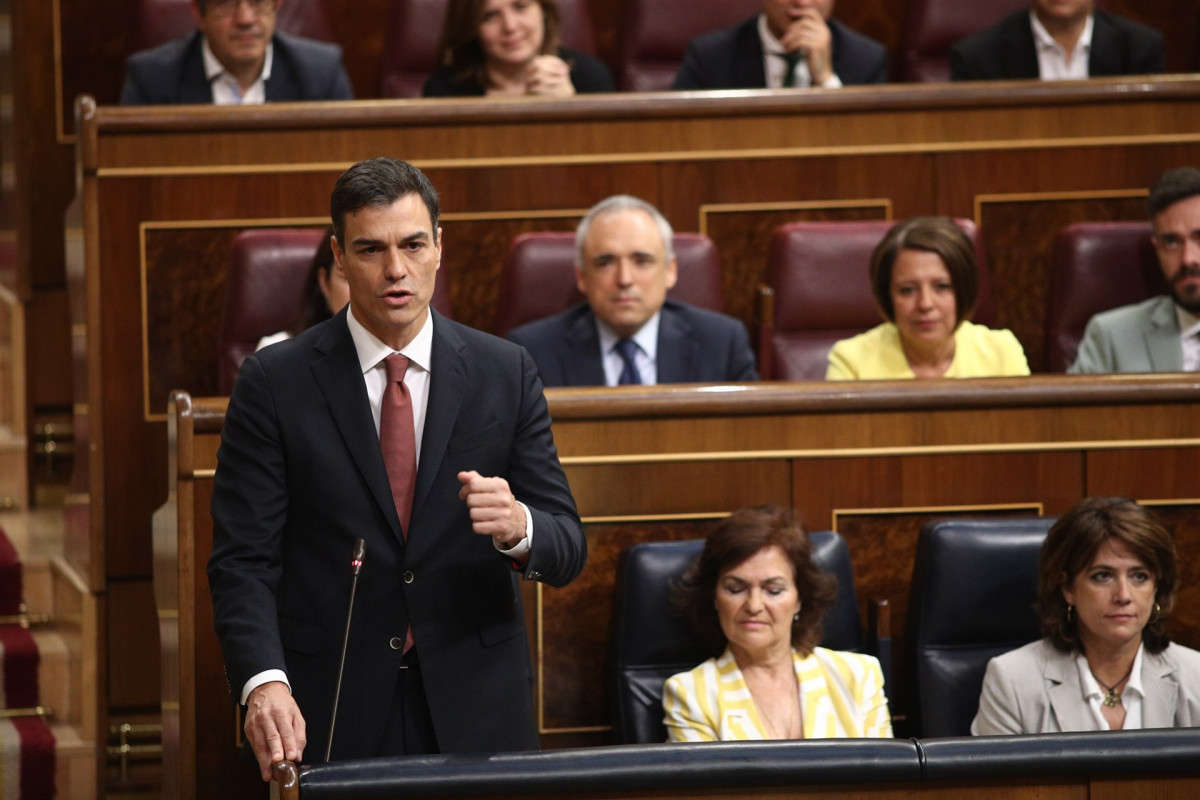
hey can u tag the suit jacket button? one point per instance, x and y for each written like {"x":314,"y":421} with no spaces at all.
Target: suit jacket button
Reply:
{"x":396,"y":643}
{"x":408,"y":576}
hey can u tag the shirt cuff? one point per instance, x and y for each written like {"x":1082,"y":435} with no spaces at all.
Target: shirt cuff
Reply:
{"x":520,"y":550}
{"x":832,"y":82}
{"x":266,"y":676}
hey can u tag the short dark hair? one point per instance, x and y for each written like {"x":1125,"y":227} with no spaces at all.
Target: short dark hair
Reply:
{"x":1171,"y":187}
{"x":1071,"y":545}
{"x":735,"y":539}
{"x":941,"y":236}
{"x":314,"y":307}
{"x":459,"y":46}
{"x":379,"y":182}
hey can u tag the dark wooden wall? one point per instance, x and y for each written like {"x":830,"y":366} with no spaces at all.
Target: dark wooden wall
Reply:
{"x":872,"y":461}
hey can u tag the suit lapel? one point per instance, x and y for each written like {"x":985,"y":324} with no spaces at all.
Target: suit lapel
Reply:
{"x":1161,"y":691}
{"x":1162,"y":338}
{"x":282,"y":85}
{"x":677,"y":348}
{"x":584,"y":365}
{"x":1020,"y":53}
{"x":194,"y":87}
{"x":748,"y":59}
{"x":1105,"y":55}
{"x":1066,"y":695}
{"x":448,"y":381}
{"x":339,"y":377}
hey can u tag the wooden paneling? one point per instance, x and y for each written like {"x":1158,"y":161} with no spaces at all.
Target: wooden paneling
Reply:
{"x":873,"y":461}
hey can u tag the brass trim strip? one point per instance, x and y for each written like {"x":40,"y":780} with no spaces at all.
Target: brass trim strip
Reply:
{"x":542,"y":730}
{"x":35,"y":711}
{"x":787,"y":205}
{"x":1051,"y":197}
{"x":750,"y":154}
{"x":611,"y":519}
{"x":841,"y":452}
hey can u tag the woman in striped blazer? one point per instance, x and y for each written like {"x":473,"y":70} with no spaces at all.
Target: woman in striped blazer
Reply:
{"x":756,"y":591}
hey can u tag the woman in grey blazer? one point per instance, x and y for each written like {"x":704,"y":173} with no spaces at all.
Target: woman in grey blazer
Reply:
{"x":1106,"y":585}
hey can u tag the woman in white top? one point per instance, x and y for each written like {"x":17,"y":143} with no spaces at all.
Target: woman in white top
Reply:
{"x":1105,"y":588}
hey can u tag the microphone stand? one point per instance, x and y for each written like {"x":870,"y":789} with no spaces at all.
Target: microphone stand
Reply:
{"x":360,"y":551}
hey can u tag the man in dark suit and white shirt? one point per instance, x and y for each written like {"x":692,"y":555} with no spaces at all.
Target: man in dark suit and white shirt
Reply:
{"x":792,"y":43}
{"x":628,"y":331}
{"x":1058,"y":40}
{"x":314,"y":456}
{"x":236,"y":57}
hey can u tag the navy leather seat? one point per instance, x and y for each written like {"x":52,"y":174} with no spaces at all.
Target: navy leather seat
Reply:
{"x":973,"y":589}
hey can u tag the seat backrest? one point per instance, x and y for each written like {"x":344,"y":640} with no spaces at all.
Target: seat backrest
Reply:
{"x":931,"y":27}
{"x":410,"y":48}
{"x":1097,"y":266}
{"x":973,"y":589}
{"x":162,"y":20}
{"x":654,"y":35}
{"x":538,"y":277}
{"x":651,"y":642}
{"x":819,"y":272}
{"x":264,"y":290}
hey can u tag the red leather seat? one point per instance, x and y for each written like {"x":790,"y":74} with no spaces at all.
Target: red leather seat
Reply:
{"x":414,"y":28}
{"x":538,"y":277}
{"x":931,"y":27}
{"x":654,"y":35}
{"x":162,"y":20}
{"x":1097,"y":266}
{"x":264,"y":290}
{"x":819,"y":292}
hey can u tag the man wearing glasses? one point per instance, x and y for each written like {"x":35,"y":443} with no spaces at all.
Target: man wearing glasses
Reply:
{"x":236,"y":57}
{"x":1161,"y":334}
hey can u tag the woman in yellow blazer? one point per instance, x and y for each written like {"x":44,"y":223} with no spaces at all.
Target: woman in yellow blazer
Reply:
{"x":925,"y":281}
{"x":756,"y":589}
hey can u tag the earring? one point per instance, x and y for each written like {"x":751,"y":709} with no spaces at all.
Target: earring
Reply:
{"x":1156,"y":613}
{"x":796,"y":617}
{"x":1070,"y":614}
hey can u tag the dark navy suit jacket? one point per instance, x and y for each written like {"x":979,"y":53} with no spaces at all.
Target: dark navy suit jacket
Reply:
{"x":302,"y":69}
{"x":1006,"y":51}
{"x":694,"y":346}
{"x":300,"y":476}
{"x":732,"y":58}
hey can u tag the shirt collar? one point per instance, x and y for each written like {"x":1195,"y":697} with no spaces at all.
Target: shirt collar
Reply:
{"x":213,"y":68}
{"x":1091,"y":687}
{"x":769,"y":43}
{"x":1044,"y":40}
{"x":1189,"y":323}
{"x":371,"y":351}
{"x":646,"y":337}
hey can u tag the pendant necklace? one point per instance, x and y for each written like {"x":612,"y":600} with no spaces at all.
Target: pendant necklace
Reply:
{"x":1111,"y":698}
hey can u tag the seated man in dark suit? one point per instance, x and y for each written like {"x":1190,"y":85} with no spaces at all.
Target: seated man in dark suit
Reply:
{"x":1058,"y":40}
{"x":789,"y":44}
{"x":235,"y":57}
{"x":628,"y":332}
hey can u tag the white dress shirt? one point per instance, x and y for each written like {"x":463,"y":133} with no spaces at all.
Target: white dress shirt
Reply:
{"x":1053,"y":63}
{"x":646,"y":358}
{"x":1131,"y":696}
{"x":775,"y":63}
{"x":226,"y":90}
{"x":1189,"y":338}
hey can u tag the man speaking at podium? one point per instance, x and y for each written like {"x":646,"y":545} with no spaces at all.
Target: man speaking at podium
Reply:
{"x":432,"y":443}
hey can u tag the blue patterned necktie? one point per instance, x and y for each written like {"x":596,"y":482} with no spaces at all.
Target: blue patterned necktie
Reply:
{"x":627,"y":350}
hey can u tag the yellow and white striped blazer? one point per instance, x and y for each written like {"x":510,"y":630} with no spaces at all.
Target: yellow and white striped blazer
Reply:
{"x":841,"y":693}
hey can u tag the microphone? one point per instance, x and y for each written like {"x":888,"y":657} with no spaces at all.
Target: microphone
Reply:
{"x":356,"y":561}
